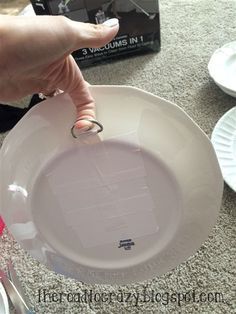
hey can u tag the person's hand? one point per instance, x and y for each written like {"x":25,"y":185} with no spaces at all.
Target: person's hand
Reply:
{"x":35,"y":57}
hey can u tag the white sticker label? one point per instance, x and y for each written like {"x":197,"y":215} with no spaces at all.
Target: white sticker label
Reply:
{"x":102,"y":191}
{"x":112,"y":222}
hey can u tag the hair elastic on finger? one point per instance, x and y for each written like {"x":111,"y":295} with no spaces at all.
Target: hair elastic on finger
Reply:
{"x":100,"y":129}
{"x":55,"y":92}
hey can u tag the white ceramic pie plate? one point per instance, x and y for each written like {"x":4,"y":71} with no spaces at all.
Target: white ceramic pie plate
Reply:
{"x":224,"y":141}
{"x":222,"y":68}
{"x":124,"y":206}
{"x":4,"y":305}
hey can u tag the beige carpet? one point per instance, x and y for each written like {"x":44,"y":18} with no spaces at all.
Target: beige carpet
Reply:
{"x":191,"y":31}
{"x":12,"y":7}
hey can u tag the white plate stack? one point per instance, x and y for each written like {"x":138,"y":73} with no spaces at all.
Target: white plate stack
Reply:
{"x":222,"y":68}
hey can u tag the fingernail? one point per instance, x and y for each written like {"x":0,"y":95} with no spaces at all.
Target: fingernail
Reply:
{"x":82,"y":130}
{"x":111,"y":22}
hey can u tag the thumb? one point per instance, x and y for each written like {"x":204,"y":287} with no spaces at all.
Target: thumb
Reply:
{"x":92,"y":35}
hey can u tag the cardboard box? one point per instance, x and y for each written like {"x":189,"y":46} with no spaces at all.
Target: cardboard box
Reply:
{"x":139,"y":25}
